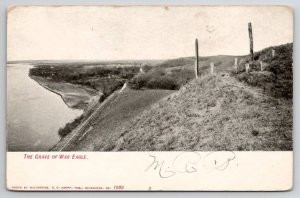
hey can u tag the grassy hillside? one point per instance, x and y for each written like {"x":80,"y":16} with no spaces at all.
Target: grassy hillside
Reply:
{"x":175,"y":73}
{"x":116,"y":116}
{"x":226,"y":111}
{"x":276,"y":79}
{"x":210,"y":113}
{"x":221,"y":62}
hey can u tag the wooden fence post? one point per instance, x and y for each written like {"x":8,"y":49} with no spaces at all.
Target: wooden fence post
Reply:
{"x":197,"y":59}
{"x":212,"y":67}
{"x":236,"y":65}
{"x":247,"y":68}
{"x":251,"y":41}
{"x":273,"y":53}
{"x":261,"y":65}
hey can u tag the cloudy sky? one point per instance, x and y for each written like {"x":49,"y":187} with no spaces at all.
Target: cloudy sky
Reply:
{"x":136,"y":32}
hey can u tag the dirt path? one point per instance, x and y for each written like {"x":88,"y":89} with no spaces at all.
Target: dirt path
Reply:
{"x":232,"y":82}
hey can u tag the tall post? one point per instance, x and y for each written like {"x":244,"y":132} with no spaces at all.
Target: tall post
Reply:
{"x":197,"y":59}
{"x":251,"y":41}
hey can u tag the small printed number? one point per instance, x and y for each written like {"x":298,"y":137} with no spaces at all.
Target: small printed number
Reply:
{"x":119,"y":187}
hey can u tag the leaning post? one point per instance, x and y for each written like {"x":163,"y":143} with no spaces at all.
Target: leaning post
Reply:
{"x":197,"y":59}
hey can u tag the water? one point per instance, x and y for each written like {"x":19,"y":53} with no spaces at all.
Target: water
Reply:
{"x":34,"y":114}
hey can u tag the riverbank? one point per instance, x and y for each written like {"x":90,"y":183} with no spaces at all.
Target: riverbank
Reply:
{"x":81,"y":125}
{"x":80,"y":88}
{"x":74,"y":96}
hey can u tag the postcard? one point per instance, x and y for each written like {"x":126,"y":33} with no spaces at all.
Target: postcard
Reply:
{"x":149,"y":98}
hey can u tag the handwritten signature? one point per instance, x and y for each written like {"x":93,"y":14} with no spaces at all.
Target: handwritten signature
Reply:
{"x":190,"y":162}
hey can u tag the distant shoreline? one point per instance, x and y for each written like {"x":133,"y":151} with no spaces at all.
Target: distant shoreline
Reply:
{"x":74,"y":96}
{"x":49,"y":89}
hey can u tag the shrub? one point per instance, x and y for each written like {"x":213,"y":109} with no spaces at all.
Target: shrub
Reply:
{"x":109,"y":88}
{"x":161,"y":78}
{"x":69,"y":127}
{"x":162,"y":83}
{"x":147,"y":68}
{"x":139,"y":81}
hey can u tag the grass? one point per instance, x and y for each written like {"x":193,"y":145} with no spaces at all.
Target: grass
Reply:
{"x":82,"y":85}
{"x":175,"y":73}
{"x":277,"y":77}
{"x":221,"y":62}
{"x":212,"y":113}
{"x":117,"y":116}
{"x":250,"y":112}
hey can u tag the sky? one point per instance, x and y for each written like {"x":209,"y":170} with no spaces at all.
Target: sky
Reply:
{"x":140,"y":32}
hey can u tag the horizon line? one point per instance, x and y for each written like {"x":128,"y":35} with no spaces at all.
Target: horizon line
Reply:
{"x":146,"y":59}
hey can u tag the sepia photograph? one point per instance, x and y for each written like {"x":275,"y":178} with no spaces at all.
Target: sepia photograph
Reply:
{"x":149,"y":98}
{"x":156,"y":78}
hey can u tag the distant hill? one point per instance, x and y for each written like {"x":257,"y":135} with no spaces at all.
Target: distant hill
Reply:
{"x":175,"y":73}
{"x":276,"y":79}
{"x":221,"y":62}
{"x":281,"y":61}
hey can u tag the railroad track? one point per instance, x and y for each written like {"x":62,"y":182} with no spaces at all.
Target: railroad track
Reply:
{"x":79,"y":130}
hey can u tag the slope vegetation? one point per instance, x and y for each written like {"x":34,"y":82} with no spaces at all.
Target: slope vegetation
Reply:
{"x":226,"y":111}
{"x":276,"y":79}
{"x":115,"y":116}
{"x":210,"y":113}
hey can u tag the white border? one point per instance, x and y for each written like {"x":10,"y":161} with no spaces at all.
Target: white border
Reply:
{"x":4,"y":3}
{"x":156,"y":171}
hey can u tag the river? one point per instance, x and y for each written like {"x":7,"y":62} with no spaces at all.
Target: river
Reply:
{"x":34,"y":114}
